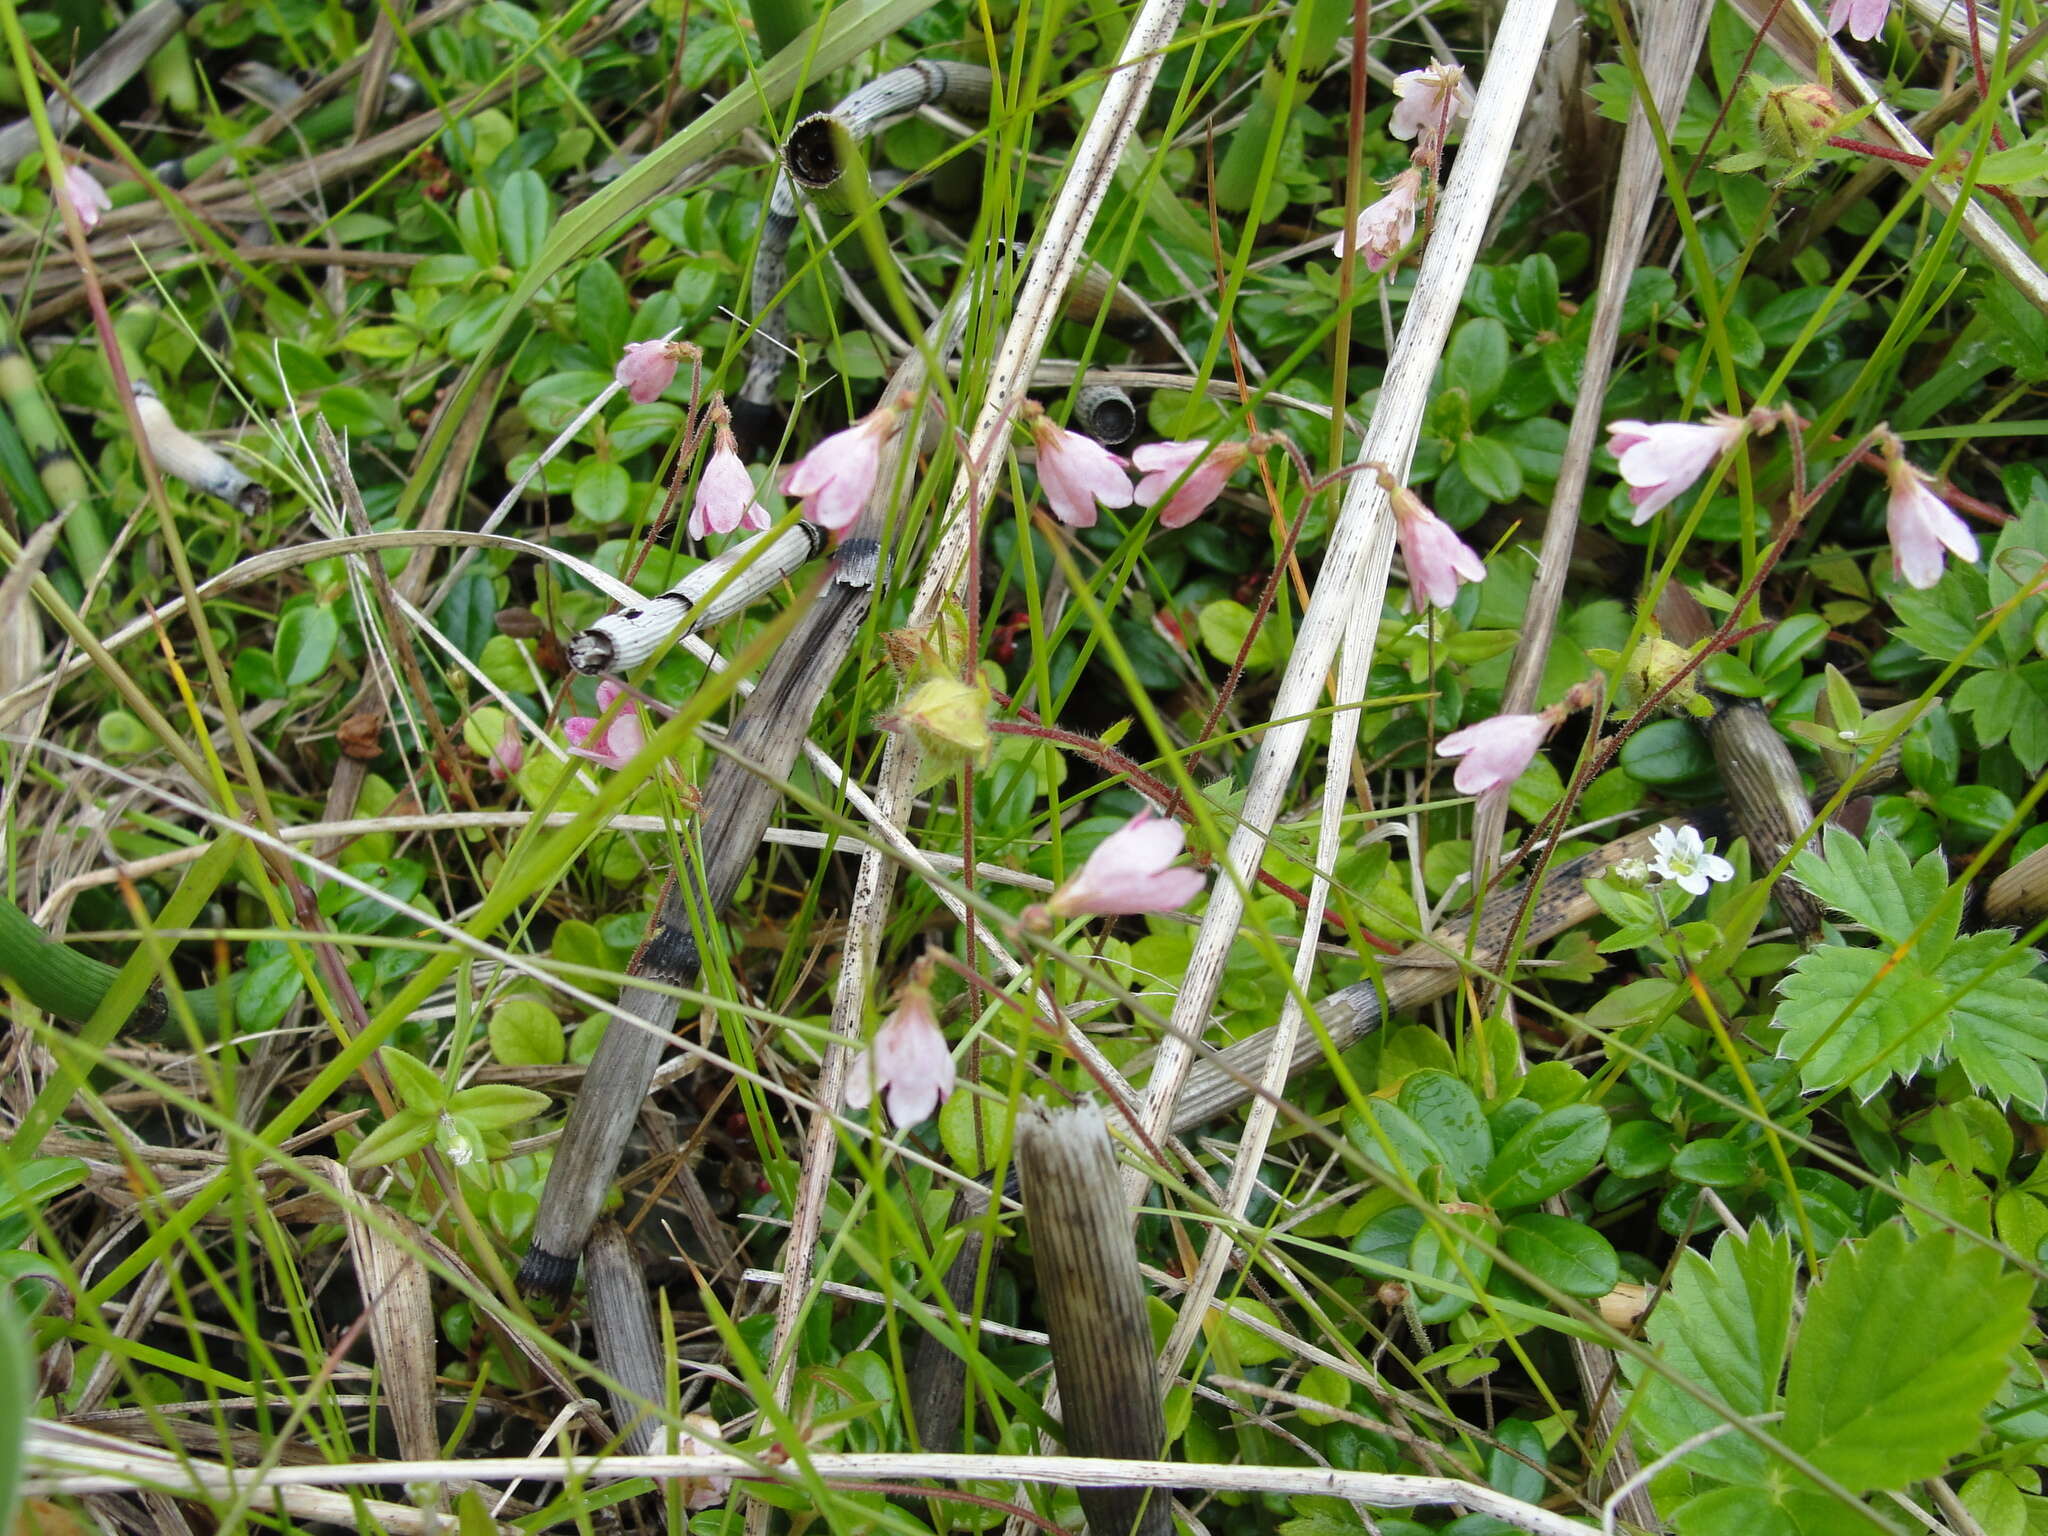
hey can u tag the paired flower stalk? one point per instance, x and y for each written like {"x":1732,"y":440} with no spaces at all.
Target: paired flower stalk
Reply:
{"x":908,"y":1065}
{"x":1662,"y":461}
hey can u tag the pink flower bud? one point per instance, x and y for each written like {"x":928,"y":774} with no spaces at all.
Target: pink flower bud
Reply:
{"x":1921,"y":526}
{"x":1661,"y":462}
{"x":1206,"y":465}
{"x":1495,"y":752}
{"x":617,"y":743}
{"x":1384,"y":229}
{"x":1438,"y":560}
{"x":908,"y":1062}
{"x":88,"y":199}
{"x":1132,"y":871}
{"x":837,"y":477}
{"x":509,"y":755}
{"x":1076,"y":472}
{"x":648,"y":368}
{"x":725,"y":492}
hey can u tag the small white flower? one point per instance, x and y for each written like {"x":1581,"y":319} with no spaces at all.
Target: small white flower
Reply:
{"x":1682,"y":857}
{"x":1632,"y":871}
{"x":454,"y":1141}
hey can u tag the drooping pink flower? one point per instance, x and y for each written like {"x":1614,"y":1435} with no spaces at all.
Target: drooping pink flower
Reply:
{"x":509,"y":755}
{"x":837,"y":477}
{"x":88,"y":199}
{"x":1431,"y":100}
{"x":1438,"y":560}
{"x":1132,"y":871}
{"x":725,"y":491}
{"x":1163,"y":464}
{"x":1660,"y":462}
{"x":702,"y":1437}
{"x":1076,"y":472}
{"x":908,"y":1061}
{"x":1921,"y":526}
{"x":648,"y":368}
{"x":1494,"y":752}
{"x":1383,"y":230}
{"x":1865,"y":18}
{"x":619,"y":742}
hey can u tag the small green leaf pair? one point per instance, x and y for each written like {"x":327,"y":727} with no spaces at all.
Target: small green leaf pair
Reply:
{"x":464,"y":1123}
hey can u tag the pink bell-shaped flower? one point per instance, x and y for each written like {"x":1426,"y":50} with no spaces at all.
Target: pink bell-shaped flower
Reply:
{"x":1661,"y":462}
{"x":1076,"y":472}
{"x":1383,"y":230}
{"x":1494,"y":753}
{"x":908,"y":1062}
{"x":1207,"y":467}
{"x":837,"y":477}
{"x":725,"y":491}
{"x":1132,"y":871}
{"x":1921,"y":526}
{"x":616,"y":743}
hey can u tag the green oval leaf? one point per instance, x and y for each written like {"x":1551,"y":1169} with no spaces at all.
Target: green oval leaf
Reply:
{"x":1567,"y":1255}
{"x":1551,"y":1153}
{"x":306,"y":637}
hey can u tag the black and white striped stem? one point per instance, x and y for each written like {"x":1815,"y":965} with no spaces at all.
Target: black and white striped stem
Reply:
{"x":737,"y":800}
{"x":813,"y":162}
{"x":200,"y":465}
{"x":623,"y":641}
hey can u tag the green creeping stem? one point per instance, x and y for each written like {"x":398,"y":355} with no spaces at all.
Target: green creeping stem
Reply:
{"x":37,"y":440}
{"x":60,"y":980}
{"x":1311,"y":37}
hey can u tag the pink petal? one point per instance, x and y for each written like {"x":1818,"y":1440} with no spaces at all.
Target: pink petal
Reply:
{"x":647,"y":368}
{"x":837,"y":477}
{"x":1495,"y":752}
{"x":725,"y":495}
{"x":1922,"y":526}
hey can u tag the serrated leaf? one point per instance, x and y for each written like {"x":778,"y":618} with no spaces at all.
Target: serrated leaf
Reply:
{"x":1857,"y":1016}
{"x":1881,"y":888}
{"x":1723,"y":1327}
{"x":2001,"y":1021}
{"x":1903,"y":1345}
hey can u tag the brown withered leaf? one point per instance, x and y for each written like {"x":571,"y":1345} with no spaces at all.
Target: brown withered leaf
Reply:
{"x":362,"y":734}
